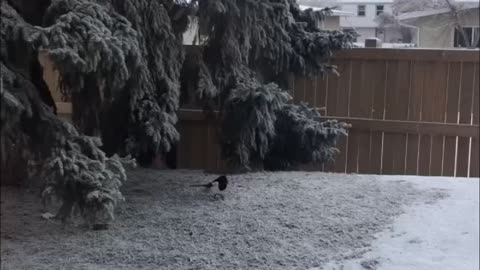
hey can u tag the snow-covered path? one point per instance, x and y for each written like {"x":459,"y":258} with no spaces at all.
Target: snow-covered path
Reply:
{"x":440,"y":236}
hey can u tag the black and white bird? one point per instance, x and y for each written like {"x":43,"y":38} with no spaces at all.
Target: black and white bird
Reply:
{"x":222,"y":183}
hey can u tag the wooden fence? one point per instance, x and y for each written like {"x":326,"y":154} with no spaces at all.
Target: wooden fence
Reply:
{"x":413,"y":111}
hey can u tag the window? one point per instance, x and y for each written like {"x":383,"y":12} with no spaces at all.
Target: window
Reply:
{"x":472,"y":35}
{"x":379,"y":9}
{"x":361,"y":10}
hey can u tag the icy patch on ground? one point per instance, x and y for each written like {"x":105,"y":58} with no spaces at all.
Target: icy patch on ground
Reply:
{"x":292,"y":220}
{"x":440,"y":236}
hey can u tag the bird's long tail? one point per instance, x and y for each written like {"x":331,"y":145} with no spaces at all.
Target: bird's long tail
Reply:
{"x":209,"y":185}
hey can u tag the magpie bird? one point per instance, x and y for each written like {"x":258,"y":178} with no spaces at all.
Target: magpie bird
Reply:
{"x":222,"y":183}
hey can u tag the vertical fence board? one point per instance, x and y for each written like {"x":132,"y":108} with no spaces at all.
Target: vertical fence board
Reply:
{"x":198,"y":145}
{"x":414,"y":114}
{"x":185,"y":147}
{"x":449,"y":156}
{"x":311,"y":99}
{"x":358,"y":141}
{"x":425,"y":141}
{"x":182,"y":145}
{"x":332,"y":93}
{"x":425,"y":145}
{"x":321,"y":92}
{"x":310,"y":91}
{"x":462,"y":156}
{"x":388,"y":142}
{"x":371,"y":82}
{"x":451,"y":116}
{"x":339,"y":165}
{"x":411,"y":155}
{"x":332,"y":89}
{"x":465,"y":114}
{"x":352,"y":157}
{"x":403,"y":94}
{"x":396,"y":108}
{"x":364,"y":111}
{"x":378,"y":80}
{"x":474,"y":162}
{"x":437,"y":78}
{"x":341,"y":108}
{"x":211,"y":154}
{"x":291,"y":85}
{"x":299,"y":90}
{"x":437,"y":152}
{"x":343,"y":100}
{"x":476,"y":95}
{"x":474,"y":156}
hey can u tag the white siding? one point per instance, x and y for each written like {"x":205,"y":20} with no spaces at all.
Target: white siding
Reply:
{"x":368,"y":20}
{"x":366,"y":25}
{"x":437,"y":31}
{"x":331,"y":23}
{"x":365,"y":33}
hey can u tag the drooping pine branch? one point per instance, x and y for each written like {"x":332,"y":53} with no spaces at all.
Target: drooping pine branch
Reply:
{"x":248,"y":45}
{"x":303,"y":138}
{"x":249,"y":122}
{"x":123,"y":57}
{"x":70,"y":165}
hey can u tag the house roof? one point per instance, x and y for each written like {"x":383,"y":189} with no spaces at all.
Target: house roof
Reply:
{"x":339,"y":2}
{"x":426,"y":13}
{"x":335,"y":12}
{"x":364,"y":1}
{"x":336,"y":2}
{"x":380,"y":1}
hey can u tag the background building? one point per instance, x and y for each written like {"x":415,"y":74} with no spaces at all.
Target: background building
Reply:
{"x":362,"y":17}
{"x":437,"y":28}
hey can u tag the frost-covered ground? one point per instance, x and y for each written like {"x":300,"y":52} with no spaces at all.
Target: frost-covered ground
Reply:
{"x":294,"y":220}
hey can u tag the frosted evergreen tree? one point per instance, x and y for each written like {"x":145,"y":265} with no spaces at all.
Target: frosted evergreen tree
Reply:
{"x":120,"y":64}
{"x":251,"y":47}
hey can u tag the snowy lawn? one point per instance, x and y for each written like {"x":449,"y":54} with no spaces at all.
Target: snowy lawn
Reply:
{"x":294,"y":220}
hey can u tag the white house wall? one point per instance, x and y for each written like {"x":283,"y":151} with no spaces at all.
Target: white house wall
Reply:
{"x":438,"y":31}
{"x":331,"y":23}
{"x":366,"y":25}
{"x":365,"y":21}
{"x":392,"y":36}
{"x":365,"y":33}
